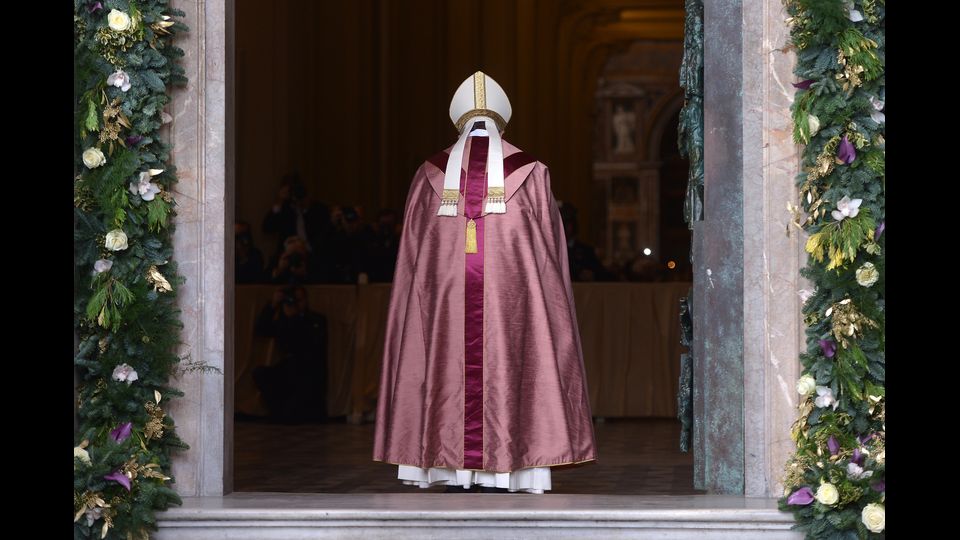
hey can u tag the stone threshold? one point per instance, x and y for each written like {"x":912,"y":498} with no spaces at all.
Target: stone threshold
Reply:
{"x":503,"y":516}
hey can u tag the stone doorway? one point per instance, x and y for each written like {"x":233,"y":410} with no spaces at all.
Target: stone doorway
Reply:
{"x":748,"y":269}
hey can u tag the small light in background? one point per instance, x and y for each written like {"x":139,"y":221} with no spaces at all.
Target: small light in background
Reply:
{"x":671,"y":265}
{"x":646,"y":251}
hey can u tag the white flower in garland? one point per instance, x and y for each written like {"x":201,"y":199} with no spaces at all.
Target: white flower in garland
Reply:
{"x":125,"y":373}
{"x":93,"y":514}
{"x":806,"y":385}
{"x":144,"y":187}
{"x":874,"y":517}
{"x":102,"y":265}
{"x":813,"y":123}
{"x":856,"y":472}
{"x":828,"y":494}
{"x":876,"y":113}
{"x":846,"y":207}
{"x":825,"y":398}
{"x":116,"y":240}
{"x":852,"y":13}
{"x":82,"y":454}
{"x":120,"y":79}
{"x":805,"y":294}
{"x":93,"y":158}
{"x":867,"y":275}
{"x":119,"y":21}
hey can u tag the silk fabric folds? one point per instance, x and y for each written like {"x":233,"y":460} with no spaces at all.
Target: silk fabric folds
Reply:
{"x":482,"y":366}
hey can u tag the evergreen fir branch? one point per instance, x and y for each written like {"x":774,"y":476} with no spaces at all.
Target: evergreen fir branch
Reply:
{"x":861,"y":51}
{"x":801,"y":126}
{"x":117,"y":320}
{"x":157,"y":211}
{"x":845,"y":59}
{"x":92,"y":121}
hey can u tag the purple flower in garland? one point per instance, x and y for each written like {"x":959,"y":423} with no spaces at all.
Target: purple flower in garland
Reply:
{"x":857,"y":457}
{"x":94,"y":7}
{"x":829,"y":347}
{"x":802,"y":496}
{"x":847,"y":153}
{"x":879,"y":231}
{"x":879,"y":487}
{"x":119,"y":478}
{"x":833,"y":445}
{"x":803,"y":85}
{"x":122,"y":432}
{"x":864,"y":439}
{"x":133,"y":140}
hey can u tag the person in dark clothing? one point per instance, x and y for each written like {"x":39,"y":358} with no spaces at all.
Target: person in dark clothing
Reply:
{"x":350,"y":247}
{"x":248,"y":261}
{"x":385,"y":242}
{"x":293,"y":214}
{"x":584,"y":263}
{"x":295,"y":388}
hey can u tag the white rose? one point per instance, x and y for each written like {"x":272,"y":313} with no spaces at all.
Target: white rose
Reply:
{"x":82,"y":454}
{"x":116,"y":240}
{"x":102,"y":265}
{"x":874,"y":517}
{"x":867,"y":274}
{"x":93,"y":158}
{"x":827,"y":494}
{"x":125,"y":373}
{"x":806,"y":385}
{"x":118,"y":20}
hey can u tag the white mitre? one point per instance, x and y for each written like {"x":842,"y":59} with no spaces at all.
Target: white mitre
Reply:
{"x":479,"y":98}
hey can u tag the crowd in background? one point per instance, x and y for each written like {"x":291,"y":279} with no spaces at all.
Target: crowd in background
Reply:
{"x":316,"y":243}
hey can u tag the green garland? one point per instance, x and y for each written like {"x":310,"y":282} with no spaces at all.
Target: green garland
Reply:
{"x":834,"y":482}
{"x":125,"y":284}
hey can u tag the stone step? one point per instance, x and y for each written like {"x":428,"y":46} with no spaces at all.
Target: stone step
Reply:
{"x":500,"y":516}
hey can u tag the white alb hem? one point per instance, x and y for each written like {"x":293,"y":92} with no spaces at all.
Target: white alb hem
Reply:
{"x":531,"y":479}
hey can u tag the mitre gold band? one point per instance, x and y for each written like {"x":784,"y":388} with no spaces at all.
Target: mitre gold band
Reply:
{"x":501,"y":123}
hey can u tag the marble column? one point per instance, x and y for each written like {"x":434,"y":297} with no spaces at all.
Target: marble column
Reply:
{"x":202,"y":152}
{"x":773,"y":327}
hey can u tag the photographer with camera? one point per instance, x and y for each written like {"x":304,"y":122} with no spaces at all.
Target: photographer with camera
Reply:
{"x":293,"y":265}
{"x":293,"y":214}
{"x":295,"y":388}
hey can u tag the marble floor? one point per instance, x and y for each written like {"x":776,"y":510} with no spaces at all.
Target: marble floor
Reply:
{"x":635,"y":457}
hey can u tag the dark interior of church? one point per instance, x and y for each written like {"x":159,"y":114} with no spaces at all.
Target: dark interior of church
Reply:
{"x":338,"y":103}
